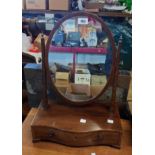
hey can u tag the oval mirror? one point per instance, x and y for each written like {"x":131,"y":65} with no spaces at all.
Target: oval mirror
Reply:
{"x":80,"y":53}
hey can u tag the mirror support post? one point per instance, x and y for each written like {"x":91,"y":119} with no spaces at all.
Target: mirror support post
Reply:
{"x":44,"y":101}
{"x":115,"y":78}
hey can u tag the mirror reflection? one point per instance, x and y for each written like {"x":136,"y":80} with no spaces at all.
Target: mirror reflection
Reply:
{"x":79,"y":58}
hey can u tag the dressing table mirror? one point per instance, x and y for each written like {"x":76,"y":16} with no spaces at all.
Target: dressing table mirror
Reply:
{"x":80,"y":62}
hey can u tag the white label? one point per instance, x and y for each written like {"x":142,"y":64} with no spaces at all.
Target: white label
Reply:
{"x":93,"y":153}
{"x":41,"y":21}
{"x":82,"y":120}
{"x":110,"y":121}
{"x":49,"y":21}
{"x":82,"y":21}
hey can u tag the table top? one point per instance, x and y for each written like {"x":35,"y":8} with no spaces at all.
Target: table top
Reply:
{"x":49,"y":148}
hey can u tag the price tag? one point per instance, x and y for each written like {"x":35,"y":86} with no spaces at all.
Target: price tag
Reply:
{"x":83,"y":21}
{"x":110,"y":121}
{"x":82,"y":120}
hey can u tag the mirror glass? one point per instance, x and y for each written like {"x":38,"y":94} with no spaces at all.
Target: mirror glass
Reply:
{"x":80,"y":58}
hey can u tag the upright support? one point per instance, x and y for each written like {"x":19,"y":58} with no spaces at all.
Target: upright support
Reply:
{"x":115,"y":78}
{"x":44,"y":101}
{"x":74,"y":64}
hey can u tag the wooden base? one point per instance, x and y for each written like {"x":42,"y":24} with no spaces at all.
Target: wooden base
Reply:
{"x":61,"y":124}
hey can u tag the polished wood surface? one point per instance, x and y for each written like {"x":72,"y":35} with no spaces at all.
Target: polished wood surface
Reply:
{"x":46,"y":148}
{"x":61,"y":123}
{"x":95,"y":114}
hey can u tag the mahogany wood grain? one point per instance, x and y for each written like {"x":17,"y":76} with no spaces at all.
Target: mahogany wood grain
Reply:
{"x":61,"y":123}
{"x":46,"y":148}
{"x":44,"y":74}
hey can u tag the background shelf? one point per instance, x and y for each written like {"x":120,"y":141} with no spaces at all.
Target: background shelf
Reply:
{"x":106,"y":13}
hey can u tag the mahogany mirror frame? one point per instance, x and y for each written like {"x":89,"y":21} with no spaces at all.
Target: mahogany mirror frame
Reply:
{"x":98,"y":130}
{"x":114,"y":57}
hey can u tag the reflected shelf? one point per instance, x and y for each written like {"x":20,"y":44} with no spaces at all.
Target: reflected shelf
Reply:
{"x":92,"y":50}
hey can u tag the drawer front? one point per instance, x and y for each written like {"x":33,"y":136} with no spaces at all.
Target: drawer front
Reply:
{"x":77,"y":139}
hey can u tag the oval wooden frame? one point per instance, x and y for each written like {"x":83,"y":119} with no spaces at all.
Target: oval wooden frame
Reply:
{"x":114,"y":52}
